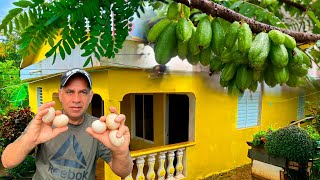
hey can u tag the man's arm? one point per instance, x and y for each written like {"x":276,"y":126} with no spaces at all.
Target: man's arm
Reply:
{"x":121,"y":164}
{"x":36,"y":133}
{"x":16,"y":152}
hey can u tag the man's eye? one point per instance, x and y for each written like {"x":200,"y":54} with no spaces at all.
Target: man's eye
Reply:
{"x":69,"y":92}
{"x":84,"y":92}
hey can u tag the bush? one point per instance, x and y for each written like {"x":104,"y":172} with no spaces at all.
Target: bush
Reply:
{"x":13,"y":124}
{"x":291,"y":142}
{"x":25,"y":169}
{"x":11,"y":127}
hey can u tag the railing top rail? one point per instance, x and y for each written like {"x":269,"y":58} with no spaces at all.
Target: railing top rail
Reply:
{"x":161,"y":148}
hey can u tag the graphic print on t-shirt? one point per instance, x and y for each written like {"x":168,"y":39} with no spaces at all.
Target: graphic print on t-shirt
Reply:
{"x":68,"y":161}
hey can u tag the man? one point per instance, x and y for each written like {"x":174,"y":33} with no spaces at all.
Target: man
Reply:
{"x":70,"y":152}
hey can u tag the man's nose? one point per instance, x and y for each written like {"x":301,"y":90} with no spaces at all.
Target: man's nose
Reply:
{"x":76,"y":97}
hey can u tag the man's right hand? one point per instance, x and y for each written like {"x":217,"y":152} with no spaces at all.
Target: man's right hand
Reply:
{"x":36,"y":133}
{"x":40,"y":132}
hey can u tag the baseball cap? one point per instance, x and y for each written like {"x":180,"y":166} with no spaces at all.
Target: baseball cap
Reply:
{"x":68,"y":74}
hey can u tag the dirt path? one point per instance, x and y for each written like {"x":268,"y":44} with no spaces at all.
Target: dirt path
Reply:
{"x":243,"y":173}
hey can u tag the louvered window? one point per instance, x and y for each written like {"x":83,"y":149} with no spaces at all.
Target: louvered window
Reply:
{"x":39,"y":96}
{"x":249,"y":109}
{"x":301,"y":103}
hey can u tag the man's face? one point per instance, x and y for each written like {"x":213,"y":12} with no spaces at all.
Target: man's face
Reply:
{"x":75,"y":98}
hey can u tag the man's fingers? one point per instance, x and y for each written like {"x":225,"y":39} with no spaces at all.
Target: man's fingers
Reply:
{"x":113,"y":110}
{"x":121,"y":118}
{"x":122,"y":131}
{"x":46,"y":105}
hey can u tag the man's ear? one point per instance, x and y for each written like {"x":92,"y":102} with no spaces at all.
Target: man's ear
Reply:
{"x":91,"y":95}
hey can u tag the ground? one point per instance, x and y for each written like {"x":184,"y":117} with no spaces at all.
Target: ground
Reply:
{"x":243,"y":173}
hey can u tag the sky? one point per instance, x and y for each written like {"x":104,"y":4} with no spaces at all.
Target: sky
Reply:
{"x":5,"y":6}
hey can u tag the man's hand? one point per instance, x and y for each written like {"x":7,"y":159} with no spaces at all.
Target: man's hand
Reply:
{"x":122,"y":131}
{"x":39,"y":132}
{"x":121,"y":163}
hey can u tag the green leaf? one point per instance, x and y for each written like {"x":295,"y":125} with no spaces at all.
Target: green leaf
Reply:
{"x":54,"y":18}
{"x":54,"y":57}
{"x":22,"y":3}
{"x":96,"y":55}
{"x":26,"y":18}
{"x":51,"y":51}
{"x":314,"y":18}
{"x":16,"y":22}
{"x":51,"y":42}
{"x":236,"y":4}
{"x":100,"y":49}
{"x":87,"y":52}
{"x":70,"y":41}
{"x":62,"y":53}
{"x":66,"y":47}
{"x":10,"y":27}
{"x":88,"y":61}
{"x":31,"y":15}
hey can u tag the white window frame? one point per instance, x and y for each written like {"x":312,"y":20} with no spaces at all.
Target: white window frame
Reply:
{"x":245,"y":118}
{"x":39,"y":96}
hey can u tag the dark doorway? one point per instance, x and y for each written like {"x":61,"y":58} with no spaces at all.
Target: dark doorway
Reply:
{"x":97,"y":106}
{"x":178,"y":118}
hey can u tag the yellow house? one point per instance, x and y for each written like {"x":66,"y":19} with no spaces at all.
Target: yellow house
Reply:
{"x":182,"y":123}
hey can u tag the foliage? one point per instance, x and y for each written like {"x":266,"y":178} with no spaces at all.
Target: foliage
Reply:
{"x":259,"y":137}
{"x":313,"y":133}
{"x":99,"y":26}
{"x":26,"y":168}
{"x":8,"y":49}
{"x":291,"y":142}
{"x":313,"y":110}
{"x":13,"y":93}
{"x":13,"y":124}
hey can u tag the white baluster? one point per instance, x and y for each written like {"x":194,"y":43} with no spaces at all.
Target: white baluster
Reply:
{"x":179,"y":165}
{"x":140,"y":164}
{"x":161,"y":171}
{"x":170,"y":168}
{"x":151,"y":175}
{"x":129,"y":177}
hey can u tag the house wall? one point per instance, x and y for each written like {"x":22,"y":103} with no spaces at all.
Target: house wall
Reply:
{"x":220,"y":146}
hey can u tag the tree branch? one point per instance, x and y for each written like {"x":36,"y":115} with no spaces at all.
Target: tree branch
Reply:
{"x":214,"y":10}
{"x":293,"y":4}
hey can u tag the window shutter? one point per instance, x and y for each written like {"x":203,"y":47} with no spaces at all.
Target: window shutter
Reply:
{"x":248,"y":109}
{"x":39,"y":96}
{"x":301,"y":103}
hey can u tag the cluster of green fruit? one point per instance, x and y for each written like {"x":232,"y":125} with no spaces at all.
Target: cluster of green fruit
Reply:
{"x":243,"y":58}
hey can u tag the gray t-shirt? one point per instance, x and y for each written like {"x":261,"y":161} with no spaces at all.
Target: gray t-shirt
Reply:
{"x":71,"y":155}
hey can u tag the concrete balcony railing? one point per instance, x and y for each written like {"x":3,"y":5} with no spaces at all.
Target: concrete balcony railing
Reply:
{"x":165,"y":162}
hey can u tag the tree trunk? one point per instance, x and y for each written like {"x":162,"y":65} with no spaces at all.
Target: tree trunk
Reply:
{"x":217,"y":10}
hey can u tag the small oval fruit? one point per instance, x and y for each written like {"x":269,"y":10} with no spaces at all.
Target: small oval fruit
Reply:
{"x":114,"y":139}
{"x":60,"y":120}
{"x":111,"y":124}
{"x":48,"y":118}
{"x":98,"y":126}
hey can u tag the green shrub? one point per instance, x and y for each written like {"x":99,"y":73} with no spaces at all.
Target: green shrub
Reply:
{"x":25,"y":169}
{"x":13,"y":124}
{"x":291,"y":142}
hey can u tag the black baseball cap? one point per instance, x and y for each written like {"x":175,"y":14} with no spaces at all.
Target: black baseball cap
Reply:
{"x":68,"y":74}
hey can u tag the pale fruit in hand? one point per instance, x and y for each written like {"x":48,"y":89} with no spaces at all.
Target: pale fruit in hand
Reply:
{"x":48,"y":118}
{"x":111,"y":124}
{"x":60,"y":120}
{"x":98,"y":126}
{"x":114,"y":140}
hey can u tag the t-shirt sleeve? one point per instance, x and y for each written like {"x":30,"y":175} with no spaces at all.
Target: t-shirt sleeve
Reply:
{"x":104,"y":153}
